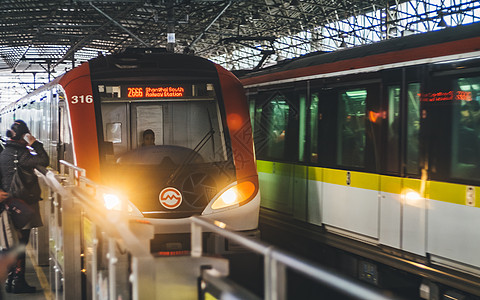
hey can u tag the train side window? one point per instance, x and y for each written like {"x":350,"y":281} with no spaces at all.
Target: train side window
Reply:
{"x":314,"y":120}
{"x":465,"y":161}
{"x":302,"y":127}
{"x":413,"y":129}
{"x":251,"y":109}
{"x":393,"y":131}
{"x":272,"y":127}
{"x":351,"y":128}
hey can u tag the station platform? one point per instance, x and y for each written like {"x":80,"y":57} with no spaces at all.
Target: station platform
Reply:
{"x":87,"y":250}
{"x":36,"y":276}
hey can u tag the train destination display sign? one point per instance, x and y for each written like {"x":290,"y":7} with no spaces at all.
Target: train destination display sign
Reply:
{"x":155,"y":92}
{"x":446,"y":96}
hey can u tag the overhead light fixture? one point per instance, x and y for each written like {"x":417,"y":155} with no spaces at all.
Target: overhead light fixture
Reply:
{"x":356,"y":93}
{"x":343,"y":44}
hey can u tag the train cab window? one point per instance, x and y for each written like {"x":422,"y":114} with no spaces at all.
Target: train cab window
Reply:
{"x":465,"y":161}
{"x":413,"y":129}
{"x":183,"y":122}
{"x":351,"y":128}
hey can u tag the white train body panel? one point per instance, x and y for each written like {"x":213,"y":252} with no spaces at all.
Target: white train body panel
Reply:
{"x":453,"y":233}
{"x":352,"y":209}
{"x":390,"y":219}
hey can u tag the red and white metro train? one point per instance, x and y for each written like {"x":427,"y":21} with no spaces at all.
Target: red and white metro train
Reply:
{"x":379,"y":143}
{"x":202,"y":161}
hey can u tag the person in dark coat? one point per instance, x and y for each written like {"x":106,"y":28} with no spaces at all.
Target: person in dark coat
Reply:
{"x":24,"y":150}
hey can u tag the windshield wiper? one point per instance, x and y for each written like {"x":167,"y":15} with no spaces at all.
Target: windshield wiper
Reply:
{"x":191,"y":156}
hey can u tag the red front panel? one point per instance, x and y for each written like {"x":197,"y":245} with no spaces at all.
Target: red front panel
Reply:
{"x":239,"y":125}
{"x":79,"y":96}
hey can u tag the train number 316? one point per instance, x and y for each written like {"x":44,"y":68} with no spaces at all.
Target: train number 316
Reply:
{"x":82,"y":99}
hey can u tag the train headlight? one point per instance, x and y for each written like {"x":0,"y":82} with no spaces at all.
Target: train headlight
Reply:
{"x":234,"y":195}
{"x":112,"y":202}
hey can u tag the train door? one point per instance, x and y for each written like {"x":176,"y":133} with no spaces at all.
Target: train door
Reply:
{"x":275,"y":135}
{"x":414,"y":206}
{"x":402,"y":206}
{"x":65,"y":147}
{"x":320,"y":148}
{"x":300,"y":173}
{"x":450,"y":116}
{"x":351,"y":187}
{"x":391,"y":186}
{"x":53,"y":128}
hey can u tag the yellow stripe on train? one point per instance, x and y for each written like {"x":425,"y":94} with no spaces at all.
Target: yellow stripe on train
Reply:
{"x":435,"y":190}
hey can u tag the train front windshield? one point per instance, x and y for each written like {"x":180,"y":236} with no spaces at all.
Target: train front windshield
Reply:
{"x":165,"y":137}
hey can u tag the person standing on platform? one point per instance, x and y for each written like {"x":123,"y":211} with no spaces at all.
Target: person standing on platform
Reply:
{"x":22,"y":150}
{"x":7,"y":259}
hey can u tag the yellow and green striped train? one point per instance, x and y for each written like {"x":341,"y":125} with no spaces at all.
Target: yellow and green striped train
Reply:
{"x":379,"y":143}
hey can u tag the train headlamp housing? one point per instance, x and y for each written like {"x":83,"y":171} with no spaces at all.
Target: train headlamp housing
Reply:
{"x":234,"y":195}
{"x":114,"y":202}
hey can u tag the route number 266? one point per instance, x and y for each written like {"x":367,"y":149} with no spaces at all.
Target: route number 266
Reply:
{"x":82,"y":99}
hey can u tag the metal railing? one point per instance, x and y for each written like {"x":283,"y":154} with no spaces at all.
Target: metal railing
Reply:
{"x":276,"y":261}
{"x":76,"y":216}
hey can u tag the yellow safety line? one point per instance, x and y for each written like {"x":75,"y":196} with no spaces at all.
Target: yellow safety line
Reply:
{"x":40,"y":275}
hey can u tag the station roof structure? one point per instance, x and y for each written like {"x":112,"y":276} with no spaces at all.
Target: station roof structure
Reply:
{"x":42,"y":39}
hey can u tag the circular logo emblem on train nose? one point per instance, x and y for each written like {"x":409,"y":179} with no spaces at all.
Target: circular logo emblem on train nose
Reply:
{"x":170,"y":198}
